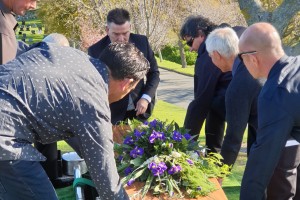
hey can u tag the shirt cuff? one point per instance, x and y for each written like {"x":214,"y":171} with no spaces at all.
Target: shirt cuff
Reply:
{"x":147,"y":97}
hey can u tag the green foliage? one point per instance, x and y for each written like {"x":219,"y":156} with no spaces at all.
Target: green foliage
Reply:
{"x":169,"y":154}
{"x":172,"y":53}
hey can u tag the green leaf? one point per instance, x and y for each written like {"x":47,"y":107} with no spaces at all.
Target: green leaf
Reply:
{"x":147,"y":185}
{"x":122,"y":167}
{"x":170,"y":188}
{"x":137,"y":161}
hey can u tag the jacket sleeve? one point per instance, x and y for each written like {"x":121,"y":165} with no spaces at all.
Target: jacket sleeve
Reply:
{"x":240,"y":97}
{"x":275,"y":126}
{"x":205,"y":84}
{"x":153,"y":74}
{"x":94,"y":132}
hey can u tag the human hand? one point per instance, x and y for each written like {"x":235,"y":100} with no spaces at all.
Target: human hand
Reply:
{"x":141,"y":106}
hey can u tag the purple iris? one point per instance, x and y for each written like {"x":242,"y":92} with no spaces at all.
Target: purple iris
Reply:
{"x":138,"y":134}
{"x":128,"y":170}
{"x":136,"y":152}
{"x":174,"y":169}
{"x":156,"y":135}
{"x":157,"y":169}
{"x":120,"y":158}
{"x":128,"y":140}
{"x":146,"y":122}
{"x":187,"y":136}
{"x":190,"y":161}
{"x":129,"y":183}
{"x":177,"y":136}
{"x":153,"y":123}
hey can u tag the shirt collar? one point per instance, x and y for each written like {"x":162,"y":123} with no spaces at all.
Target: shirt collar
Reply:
{"x":202,"y":48}
{"x":278,"y":66}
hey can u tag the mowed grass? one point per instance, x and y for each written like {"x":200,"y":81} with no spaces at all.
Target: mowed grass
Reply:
{"x":171,"y":66}
{"x":165,"y":111}
{"x":30,"y":37}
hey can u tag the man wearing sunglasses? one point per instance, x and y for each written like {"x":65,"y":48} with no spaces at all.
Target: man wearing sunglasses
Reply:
{"x":210,"y":85}
{"x":278,"y":112}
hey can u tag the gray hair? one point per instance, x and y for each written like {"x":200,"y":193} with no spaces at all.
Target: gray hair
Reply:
{"x":57,"y":39}
{"x":223,"y":40}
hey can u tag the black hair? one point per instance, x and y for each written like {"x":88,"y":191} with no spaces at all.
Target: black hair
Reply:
{"x":118,"y":16}
{"x":124,"y":60}
{"x":196,"y":25}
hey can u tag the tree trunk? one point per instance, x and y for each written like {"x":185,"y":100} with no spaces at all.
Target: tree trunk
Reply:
{"x":182,"y":54}
{"x":160,"y":55}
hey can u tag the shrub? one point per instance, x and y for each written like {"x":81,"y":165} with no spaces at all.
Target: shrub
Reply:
{"x":172,"y":53}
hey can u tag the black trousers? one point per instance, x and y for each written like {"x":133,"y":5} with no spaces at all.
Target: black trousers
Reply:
{"x":215,"y":125}
{"x":285,"y":182}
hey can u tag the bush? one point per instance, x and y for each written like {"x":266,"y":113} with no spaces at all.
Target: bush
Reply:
{"x":171,"y":53}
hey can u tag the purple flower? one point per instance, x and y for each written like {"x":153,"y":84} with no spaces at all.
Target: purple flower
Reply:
{"x":128,"y":170}
{"x":156,"y":135}
{"x":157,"y":169}
{"x":171,"y":145}
{"x":199,"y":188}
{"x":177,"y":136}
{"x":190,"y":161}
{"x":128,"y":140}
{"x":146,"y":122}
{"x":187,"y":136}
{"x":120,"y":158}
{"x":129,"y":183}
{"x":138,"y":134}
{"x":136,"y":152}
{"x":174,"y":169}
{"x":153,"y":123}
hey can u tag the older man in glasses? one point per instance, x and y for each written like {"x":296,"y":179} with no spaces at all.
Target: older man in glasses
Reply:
{"x":210,"y":85}
{"x":278,"y":113}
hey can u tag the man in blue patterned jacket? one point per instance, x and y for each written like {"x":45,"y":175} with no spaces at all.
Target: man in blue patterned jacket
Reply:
{"x":52,"y":93}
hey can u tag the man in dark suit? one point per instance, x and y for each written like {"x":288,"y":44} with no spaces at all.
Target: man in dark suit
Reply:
{"x":278,"y":115}
{"x":210,"y":85}
{"x":140,"y":102}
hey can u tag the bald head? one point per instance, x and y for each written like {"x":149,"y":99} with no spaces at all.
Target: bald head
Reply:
{"x":261,"y":37}
{"x":260,"y":48}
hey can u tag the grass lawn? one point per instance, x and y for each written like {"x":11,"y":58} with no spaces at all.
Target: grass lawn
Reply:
{"x":171,"y":66}
{"x":166,"y":111}
{"x":30,"y":37}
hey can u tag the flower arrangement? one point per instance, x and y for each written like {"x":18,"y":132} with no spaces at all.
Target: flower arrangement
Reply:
{"x":167,"y":159}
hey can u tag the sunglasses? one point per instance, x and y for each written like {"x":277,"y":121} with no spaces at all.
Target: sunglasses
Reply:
{"x":245,"y":53}
{"x":190,"y":42}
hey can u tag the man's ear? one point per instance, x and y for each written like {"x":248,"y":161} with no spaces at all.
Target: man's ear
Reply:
{"x":106,"y":29}
{"x":216,"y":55}
{"x":126,"y":83}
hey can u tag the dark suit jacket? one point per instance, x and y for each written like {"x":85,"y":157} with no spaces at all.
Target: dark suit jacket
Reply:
{"x":241,"y":109}
{"x":119,"y":108}
{"x":209,"y":82}
{"x":278,"y":120}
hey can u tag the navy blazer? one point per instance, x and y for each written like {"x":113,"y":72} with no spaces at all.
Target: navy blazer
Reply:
{"x":278,"y":120}
{"x":119,"y":108}
{"x":209,"y":82}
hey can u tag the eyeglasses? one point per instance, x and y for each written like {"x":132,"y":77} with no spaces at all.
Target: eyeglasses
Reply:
{"x":245,"y":53}
{"x":190,"y":42}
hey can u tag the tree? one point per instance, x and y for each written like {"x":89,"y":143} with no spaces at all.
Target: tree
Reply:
{"x":283,"y":14}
